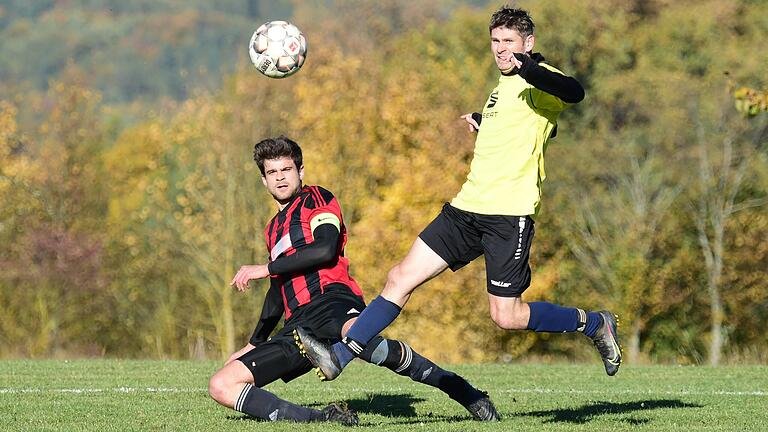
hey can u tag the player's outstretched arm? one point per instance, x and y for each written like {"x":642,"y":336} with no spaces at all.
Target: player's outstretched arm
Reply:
{"x":323,"y":250}
{"x":247,"y":273}
{"x":568,"y":89}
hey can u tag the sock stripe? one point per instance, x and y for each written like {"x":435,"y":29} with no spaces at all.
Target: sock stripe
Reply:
{"x":582,"y":320}
{"x":407,"y":360}
{"x":354,"y":346}
{"x":241,"y":399}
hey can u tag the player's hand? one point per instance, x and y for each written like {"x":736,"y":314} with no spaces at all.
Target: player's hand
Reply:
{"x":237,"y":354}
{"x":247,"y":273}
{"x":517,"y":60}
{"x":473,"y":125}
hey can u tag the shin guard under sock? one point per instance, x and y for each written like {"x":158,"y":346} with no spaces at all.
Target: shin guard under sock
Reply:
{"x":375,"y":317}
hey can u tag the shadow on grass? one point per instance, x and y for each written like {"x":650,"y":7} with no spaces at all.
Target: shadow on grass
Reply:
{"x":397,"y":406}
{"x":586,"y":413}
{"x":389,"y":405}
{"x":400,"y":408}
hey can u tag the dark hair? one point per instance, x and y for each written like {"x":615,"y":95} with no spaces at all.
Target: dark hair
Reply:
{"x":276,"y":148}
{"x":516,"y":19}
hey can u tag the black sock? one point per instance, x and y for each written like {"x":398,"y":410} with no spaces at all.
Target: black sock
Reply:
{"x":400,"y":358}
{"x":262,"y":404}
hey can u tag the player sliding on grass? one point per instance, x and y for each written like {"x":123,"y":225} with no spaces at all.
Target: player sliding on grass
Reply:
{"x":492,"y":214}
{"x":311,"y":285}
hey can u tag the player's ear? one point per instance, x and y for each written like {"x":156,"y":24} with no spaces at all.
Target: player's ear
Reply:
{"x":530,"y":40}
{"x":301,"y":173}
{"x":264,"y":180}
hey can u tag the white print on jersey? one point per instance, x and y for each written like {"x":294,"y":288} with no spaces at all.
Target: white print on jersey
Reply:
{"x":281,"y":246}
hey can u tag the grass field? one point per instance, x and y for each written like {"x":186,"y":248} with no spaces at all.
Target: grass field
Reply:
{"x":171,"y":395}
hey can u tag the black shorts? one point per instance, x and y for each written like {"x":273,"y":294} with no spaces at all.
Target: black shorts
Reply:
{"x":324,"y":317}
{"x":460,"y":236}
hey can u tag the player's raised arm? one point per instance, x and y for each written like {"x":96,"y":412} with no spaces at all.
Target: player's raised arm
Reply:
{"x":567,"y":88}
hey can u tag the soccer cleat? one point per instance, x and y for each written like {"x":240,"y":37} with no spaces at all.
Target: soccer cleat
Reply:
{"x":339,"y":412}
{"x":327,"y":367}
{"x":606,"y":341}
{"x":483,"y":409}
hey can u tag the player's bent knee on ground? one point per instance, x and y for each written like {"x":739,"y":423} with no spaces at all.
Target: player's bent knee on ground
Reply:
{"x":219,"y":388}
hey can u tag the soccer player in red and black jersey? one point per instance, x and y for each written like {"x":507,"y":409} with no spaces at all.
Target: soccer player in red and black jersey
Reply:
{"x":311,"y":286}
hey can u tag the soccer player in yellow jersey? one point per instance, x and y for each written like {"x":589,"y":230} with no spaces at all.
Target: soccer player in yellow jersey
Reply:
{"x":493,"y":213}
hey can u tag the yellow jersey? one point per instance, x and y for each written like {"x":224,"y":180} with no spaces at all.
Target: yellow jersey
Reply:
{"x":508,"y":164}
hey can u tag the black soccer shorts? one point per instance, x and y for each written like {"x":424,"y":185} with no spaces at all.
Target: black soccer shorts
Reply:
{"x":460,"y":236}
{"x":323,"y":317}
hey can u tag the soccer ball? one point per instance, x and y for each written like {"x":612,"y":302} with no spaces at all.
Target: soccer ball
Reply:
{"x":278,"y":49}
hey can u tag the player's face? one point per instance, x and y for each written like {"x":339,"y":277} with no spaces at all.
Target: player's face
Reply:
{"x":506,"y":41}
{"x":282,"y":179}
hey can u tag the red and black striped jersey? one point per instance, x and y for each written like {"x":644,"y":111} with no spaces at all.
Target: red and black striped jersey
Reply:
{"x":290,"y":230}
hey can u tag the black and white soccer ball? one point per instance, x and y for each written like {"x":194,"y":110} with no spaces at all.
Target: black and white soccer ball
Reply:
{"x":278,"y":49}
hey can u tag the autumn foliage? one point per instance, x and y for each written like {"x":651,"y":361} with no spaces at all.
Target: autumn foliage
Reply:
{"x":123,"y":222}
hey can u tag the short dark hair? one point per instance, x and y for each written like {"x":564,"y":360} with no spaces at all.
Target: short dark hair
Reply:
{"x":513,"y":18}
{"x":276,"y":148}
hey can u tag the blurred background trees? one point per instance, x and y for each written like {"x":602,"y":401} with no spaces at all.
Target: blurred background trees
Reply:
{"x":129,"y":196}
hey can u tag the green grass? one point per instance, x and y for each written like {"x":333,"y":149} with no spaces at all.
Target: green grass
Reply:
{"x":171,"y":395}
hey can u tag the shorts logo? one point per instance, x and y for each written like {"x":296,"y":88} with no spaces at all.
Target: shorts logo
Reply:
{"x":519,"y":250}
{"x":273,"y":415}
{"x":353,"y":310}
{"x":501,"y":284}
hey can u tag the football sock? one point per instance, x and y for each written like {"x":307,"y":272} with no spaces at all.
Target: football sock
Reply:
{"x":400,"y":358}
{"x":262,"y":404}
{"x":594,"y":321}
{"x":375,"y":317}
{"x":551,"y":318}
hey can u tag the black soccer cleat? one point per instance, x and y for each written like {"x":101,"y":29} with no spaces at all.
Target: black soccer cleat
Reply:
{"x":327,"y":366}
{"x":483,"y":409}
{"x":340,"y":413}
{"x":606,"y":341}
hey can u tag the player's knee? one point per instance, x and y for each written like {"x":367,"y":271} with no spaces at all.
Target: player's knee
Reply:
{"x":217,"y":388}
{"x":509,"y":320}
{"x":397,"y":281}
{"x":394,"y":276}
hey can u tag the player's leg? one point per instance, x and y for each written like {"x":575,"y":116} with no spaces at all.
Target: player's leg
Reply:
{"x":506,"y":245}
{"x":237,"y":386}
{"x":227,"y":383}
{"x":450,"y":240}
{"x":400,"y":358}
{"x":420,"y":265}
{"x":340,"y":308}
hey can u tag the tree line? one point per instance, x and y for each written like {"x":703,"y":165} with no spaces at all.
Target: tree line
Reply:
{"x":121,"y":240}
